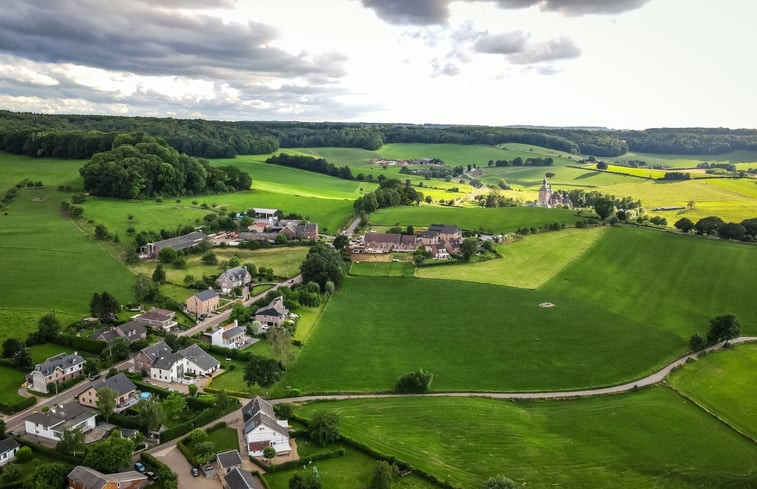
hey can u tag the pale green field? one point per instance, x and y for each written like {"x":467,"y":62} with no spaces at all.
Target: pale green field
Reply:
{"x":724,"y":383}
{"x":527,"y":263}
{"x":687,"y":161}
{"x":635,"y":172}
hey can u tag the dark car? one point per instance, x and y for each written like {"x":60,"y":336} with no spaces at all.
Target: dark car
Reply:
{"x":195,"y":472}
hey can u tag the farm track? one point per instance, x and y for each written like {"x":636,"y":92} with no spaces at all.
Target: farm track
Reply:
{"x":649,"y":380}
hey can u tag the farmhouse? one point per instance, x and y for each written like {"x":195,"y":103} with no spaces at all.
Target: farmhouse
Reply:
{"x":82,"y":477}
{"x":59,"y":368}
{"x":300,"y":230}
{"x":274,"y":314}
{"x":238,"y":478}
{"x":203,"y":302}
{"x":262,"y":429}
{"x":233,"y":277}
{"x":58,"y":419}
{"x":126,"y":392}
{"x":229,"y":336}
{"x":438,"y":252}
{"x":131,"y":332}
{"x":8,"y":449}
{"x":151,"y":250}
{"x":386,"y":242}
{"x":446,"y":233}
{"x":157,"y":318}
{"x":263,"y":213}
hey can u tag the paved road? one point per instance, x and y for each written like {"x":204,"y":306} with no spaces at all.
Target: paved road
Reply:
{"x":220,"y":318}
{"x":603,"y":391}
{"x":351,"y":228}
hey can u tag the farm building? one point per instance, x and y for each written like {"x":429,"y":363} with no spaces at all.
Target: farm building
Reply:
{"x":387,"y":242}
{"x":151,"y":250}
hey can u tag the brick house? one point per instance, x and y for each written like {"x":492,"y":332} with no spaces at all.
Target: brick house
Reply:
{"x":126,"y":392}
{"x":203,"y":302}
{"x":274,"y":314}
{"x":59,"y":368}
{"x":233,"y":277}
{"x":82,"y":477}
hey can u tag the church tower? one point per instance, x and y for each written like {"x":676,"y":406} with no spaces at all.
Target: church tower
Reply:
{"x":545,"y":194}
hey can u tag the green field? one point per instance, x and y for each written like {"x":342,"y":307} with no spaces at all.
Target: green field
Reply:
{"x":50,"y":171}
{"x":724,"y":383}
{"x":50,"y":265}
{"x":10,"y":382}
{"x":688,"y":161}
{"x":526,"y":263}
{"x":224,"y":439}
{"x":382,"y":269}
{"x":497,"y":220}
{"x":40,"y":353}
{"x":653,"y":438}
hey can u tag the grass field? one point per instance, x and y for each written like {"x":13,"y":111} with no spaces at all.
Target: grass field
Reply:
{"x":382,"y":269}
{"x":526,"y":263}
{"x":50,"y":171}
{"x":497,"y":220}
{"x":50,"y":265}
{"x":352,"y":470}
{"x":224,"y":439}
{"x":10,"y":382}
{"x":724,"y":382}
{"x":40,"y":353}
{"x":688,"y":161}
{"x":653,"y":438}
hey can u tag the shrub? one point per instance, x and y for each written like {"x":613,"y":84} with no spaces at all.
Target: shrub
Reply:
{"x":417,"y":381}
{"x":24,"y":454}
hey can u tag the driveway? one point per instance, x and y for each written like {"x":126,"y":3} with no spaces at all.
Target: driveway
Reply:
{"x":172,"y":457}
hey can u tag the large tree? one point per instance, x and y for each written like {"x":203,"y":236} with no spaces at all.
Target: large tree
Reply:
{"x":174,"y":404}
{"x":150,"y":414}
{"x":323,"y":263}
{"x":723,"y":328}
{"x":11,"y":346}
{"x":383,"y":475}
{"x":104,"y":306}
{"x":281,"y":345}
{"x":71,"y":442}
{"x":341,"y":242}
{"x":468,"y":248}
{"x":708,"y":225}
{"x":48,"y":328}
{"x":604,"y":206}
{"x":111,"y":455}
{"x":47,"y":476}
{"x":262,"y":371}
{"x":324,"y":427}
{"x":684,"y":224}
{"x":106,"y":402}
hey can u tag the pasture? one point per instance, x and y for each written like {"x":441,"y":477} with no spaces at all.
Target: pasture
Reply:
{"x":687,"y":161}
{"x":382,"y":269}
{"x":495,"y":220}
{"x":652,"y":438}
{"x":50,"y":171}
{"x":724,"y":383}
{"x":526,"y":263}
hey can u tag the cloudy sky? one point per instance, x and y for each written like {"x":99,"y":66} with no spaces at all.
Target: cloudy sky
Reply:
{"x":613,"y":63}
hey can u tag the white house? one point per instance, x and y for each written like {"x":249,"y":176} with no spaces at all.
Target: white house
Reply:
{"x":166,"y":366}
{"x":197,"y":361}
{"x":262,"y":429}
{"x":59,"y":418}
{"x":230,"y":336}
{"x":274,"y":314}
{"x":8,"y":449}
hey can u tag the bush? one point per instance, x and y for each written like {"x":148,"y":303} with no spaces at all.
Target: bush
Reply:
{"x":168,"y":477}
{"x":79,"y":343}
{"x":24,"y":454}
{"x":418,"y":381}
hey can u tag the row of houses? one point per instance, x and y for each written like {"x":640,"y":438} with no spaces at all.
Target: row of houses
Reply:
{"x":440,"y":240}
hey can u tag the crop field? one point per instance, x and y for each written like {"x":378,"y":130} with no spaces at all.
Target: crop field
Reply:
{"x":724,"y":382}
{"x":496,"y":220}
{"x":688,"y":161}
{"x":652,"y":438}
{"x":526,"y":263}
{"x":50,"y":265}
{"x":382,"y":269}
{"x":635,"y":172}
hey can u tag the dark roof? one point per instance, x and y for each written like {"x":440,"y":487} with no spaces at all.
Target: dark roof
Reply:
{"x":166,"y":360}
{"x":257,"y":236}
{"x":8,"y":444}
{"x":132,"y":330}
{"x":230,"y":458}
{"x":157,"y":315}
{"x":199,"y":357}
{"x":236,"y":274}
{"x":90,"y":478}
{"x":119,"y":383}
{"x":241,"y":479}
{"x":274,"y":308}
{"x":382,"y":237}
{"x":156,"y":350}
{"x":407,"y":239}
{"x":61,"y":360}
{"x":261,"y":419}
{"x":206,"y":295}
{"x":104,"y":334}
{"x":181,"y":242}
{"x":441,"y":228}
{"x":232,"y":332}
{"x":258,"y":404}
{"x":67,"y":413}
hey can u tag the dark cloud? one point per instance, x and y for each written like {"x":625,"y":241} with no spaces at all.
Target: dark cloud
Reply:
{"x":134,"y":36}
{"x":506,"y":43}
{"x":430,"y":12}
{"x":552,"y":50}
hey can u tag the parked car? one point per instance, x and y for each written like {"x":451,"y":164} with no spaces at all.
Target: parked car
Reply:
{"x":203,"y":317}
{"x":139,"y":467}
{"x":94,"y":377}
{"x":152,"y":476}
{"x":195,"y":472}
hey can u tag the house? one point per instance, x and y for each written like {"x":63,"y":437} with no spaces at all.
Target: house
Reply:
{"x":203,"y":302}
{"x":270,"y":237}
{"x":145,"y":358}
{"x":157,"y":319}
{"x":262,"y":429}
{"x":105,"y":334}
{"x":446,"y":233}
{"x":59,"y":368}
{"x":408,"y":243}
{"x":82,"y":477}
{"x":168,"y":367}
{"x":274,"y":314}
{"x":438,"y":252}
{"x":228,"y":460}
{"x":233,"y":277}
{"x":381,"y":242}
{"x":300,"y":230}
{"x":8,"y":449}
{"x":131,"y":332}
{"x":428,"y":238}
{"x":183,"y":242}
{"x":126,"y":392}
{"x":197,"y":361}
{"x":241,"y":479}
{"x":229,"y":336}
{"x":59,"y":418}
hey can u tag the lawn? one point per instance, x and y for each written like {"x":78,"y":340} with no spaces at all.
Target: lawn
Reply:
{"x":224,"y":439}
{"x":50,"y":171}
{"x":724,"y":383}
{"x":653,"y":438}
{"x":50,"y":265}
{"x":496,"y":220}
{"x":10,"y":382}
{"x":40,"y":353}
{"x":526,"y":263}
{"x":352,"y":470}
{"x":382,"y":269}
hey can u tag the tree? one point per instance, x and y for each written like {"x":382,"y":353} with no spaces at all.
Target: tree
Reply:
{"x":3,"y":428}
{"x":324,"y":427}
{"x":322,"y":264}
{"x":106,"y":402}
{"x":281,"y":345}
{"x":234,"y":261}
{"x":604,"y":207}
{"x":192,"y":388}
{"x":174,"y":404}
{"x":111,"y":455}
{"x":11,"y":346}
{"x":71,"y":442}
{"x":103,"y":306}
{"x":167,"y":255}
{"x":101,"y":232}
{"x":304,"y":482}
{"x":12,"y":473}
{"x":240,"y":313}
{"x":24,"y":454}
{"x":48,"y":328}
{"x":269,"y":453}
{"x":210,"y":259}
{"x":697,"y":342}
{"x":723,"y":328}
{"x":500,"y":482}
{"x":601,"y":165}
{"x":150,"y":414}
{"x":383,"y":476}
{"x":47,"y":476}
{"x":204,"y":451}
{"x":468,"y":248}
{"x":418,"y":381}
{"x":284,"y":410}
{"x":262,"y":371}
{"x":684,"y":224}
{"x":22,"y":359}
{"x":732,"y":230}
{"x":341,"y":242}
{"x":750,"y":226}
{"x":708,"y":225}
{"x":159,"y":275}
{"x":145,"y":289}
{"x":197,"y":435}
{"x":223,"y":401}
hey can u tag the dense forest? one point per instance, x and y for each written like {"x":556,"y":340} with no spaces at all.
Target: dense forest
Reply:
{"x":145,"y":166}
{"x":80,"y":136}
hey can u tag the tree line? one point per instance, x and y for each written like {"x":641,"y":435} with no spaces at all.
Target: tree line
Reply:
{"x":309,"y":163}
{"x":391,"y":193}
{"x":518,"y":161}
{"x":746,"y":230}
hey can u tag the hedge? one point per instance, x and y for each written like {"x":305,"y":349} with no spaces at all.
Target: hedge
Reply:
{"x":168,"y":476}
{"x":49,"y":452}
{"x":213,"y":390}
{"x":124,"y":421}
{"x":293,"y":464}
{"x":226,"y":352}
{"x":13,"y":485}
{"x":16,"y":406}
{"x":187,"y":453}
{"x":205,"y":417}
{"x":81,"y":343}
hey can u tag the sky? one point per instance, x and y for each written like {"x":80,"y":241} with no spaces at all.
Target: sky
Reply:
{"x":608,"y":63}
